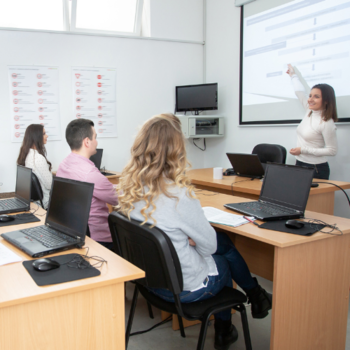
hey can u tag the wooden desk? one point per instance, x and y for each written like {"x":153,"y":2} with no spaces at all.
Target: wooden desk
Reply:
{"x":321,"y":199}
{"x":310,"y":279}
{"x":114,"y":179}
{"x":84,"y":314}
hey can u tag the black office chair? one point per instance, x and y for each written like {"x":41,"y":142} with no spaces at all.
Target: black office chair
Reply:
{"x":151,"y":250}
{"x":270,"y":153}
{"x":37,"y":192}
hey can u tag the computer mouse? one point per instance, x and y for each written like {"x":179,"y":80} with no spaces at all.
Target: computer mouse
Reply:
{"x":45,"y":264}
{"x":314,"y":185}
{"x":6,"y":218}
{"x":229,"y":172}
{"x":294,"y":224}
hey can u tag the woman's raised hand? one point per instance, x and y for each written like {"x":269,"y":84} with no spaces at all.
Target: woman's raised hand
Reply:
{"x":290,"y":70}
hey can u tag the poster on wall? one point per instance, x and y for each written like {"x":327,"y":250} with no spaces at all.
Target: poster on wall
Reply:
{"x":94,"y":98}
{"x":34,"y":99}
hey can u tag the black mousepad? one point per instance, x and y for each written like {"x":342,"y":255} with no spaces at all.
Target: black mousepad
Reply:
{"x":62,"y":274}
{"x":23,"y":218}
{"x":280,"y":225}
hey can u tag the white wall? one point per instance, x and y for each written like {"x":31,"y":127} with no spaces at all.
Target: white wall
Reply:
{"x":147,"y":73}
{"x":222,"y":66}
{"x":177,"y":19}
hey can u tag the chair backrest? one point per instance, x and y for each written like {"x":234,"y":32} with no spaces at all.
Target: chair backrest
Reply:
{"x":270,"y":153}
{"x":150,"y":249}
{"x":37,"y":192}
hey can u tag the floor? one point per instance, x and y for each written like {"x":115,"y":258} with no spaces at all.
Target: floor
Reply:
{"x":158,"y":337}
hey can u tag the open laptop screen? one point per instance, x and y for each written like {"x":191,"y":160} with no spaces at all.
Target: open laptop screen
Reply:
{"x":69,"y":207}
{"x":23,"y":183}
{"x":97,"y":158}
{"x":287,"y":185}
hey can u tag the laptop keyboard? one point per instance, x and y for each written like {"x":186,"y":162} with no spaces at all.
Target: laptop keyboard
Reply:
{"x":11,"y":203}
{"x":48,"y":237}
{"x":254,"y":207}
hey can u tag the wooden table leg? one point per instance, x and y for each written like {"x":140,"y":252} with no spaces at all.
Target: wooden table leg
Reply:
{"x":311,"y":295}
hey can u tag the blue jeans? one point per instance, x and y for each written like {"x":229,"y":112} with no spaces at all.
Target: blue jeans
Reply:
{"x":230,"y":265}
{"x":321,"y":171}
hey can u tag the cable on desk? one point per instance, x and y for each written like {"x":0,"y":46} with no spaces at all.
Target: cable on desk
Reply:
{"x":331,"y":183}
{"x":34,"y":211}
{"x":80,"y":262}
{"x":332,"y":227}
{"x":201,"y":191}
{"x":235,"y":182}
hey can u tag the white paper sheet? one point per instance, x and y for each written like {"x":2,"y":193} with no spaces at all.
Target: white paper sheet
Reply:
{"x":217,"y":216}
{"x":7,"y":256}
{"x":94,"y":98}
{"x":34,"y":99}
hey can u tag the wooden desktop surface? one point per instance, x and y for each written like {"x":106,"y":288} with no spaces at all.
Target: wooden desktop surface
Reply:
{"x":114,"y":179}
{"x":321,"y":198}
{"x":275,"y":238}
{"x":87,"y":313}
{"x":310,"y":275}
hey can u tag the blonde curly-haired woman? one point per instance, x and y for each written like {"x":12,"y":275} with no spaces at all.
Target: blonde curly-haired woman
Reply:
{"x":154,"y":188}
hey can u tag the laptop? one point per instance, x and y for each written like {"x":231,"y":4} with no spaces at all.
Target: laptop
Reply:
{"x":97,"y":159}
{"x":66,"y":220}
{"x":21,"y":201}
{"x":247,"y":165}
{"x":284,"y":193}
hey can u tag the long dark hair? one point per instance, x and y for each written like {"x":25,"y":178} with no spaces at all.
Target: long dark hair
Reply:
{"x":329,"y":105}
{"x":34,"y":136}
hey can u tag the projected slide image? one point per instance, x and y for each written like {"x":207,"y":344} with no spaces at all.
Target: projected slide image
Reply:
{"x":312,"y":35}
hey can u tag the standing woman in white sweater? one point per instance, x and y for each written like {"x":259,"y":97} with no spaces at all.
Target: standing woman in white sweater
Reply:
{"x":33,"y":155}
{"x":316,"y":134}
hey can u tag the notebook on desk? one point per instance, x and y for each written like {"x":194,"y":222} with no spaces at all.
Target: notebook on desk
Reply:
{"x":284,"y":193}
{"x":97,"y":160}
{"x":247,"y":165}
{"x":21,"y":201}
{"x":66,"y":220}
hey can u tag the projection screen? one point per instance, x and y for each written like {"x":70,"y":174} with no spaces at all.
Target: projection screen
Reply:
{"x":313,"y":36}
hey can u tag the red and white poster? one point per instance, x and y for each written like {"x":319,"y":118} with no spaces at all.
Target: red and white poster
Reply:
{"x":34,"y":99}
{"x":94,"y":97}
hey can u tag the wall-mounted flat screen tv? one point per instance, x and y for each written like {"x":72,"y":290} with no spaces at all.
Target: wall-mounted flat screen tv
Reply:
{"x":203,"y":97}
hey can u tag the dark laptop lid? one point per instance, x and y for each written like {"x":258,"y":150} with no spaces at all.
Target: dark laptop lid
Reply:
{"x":246,"y":164}
{"x":287,"y":185}
{"x":97,"y":158}
{"x":69,"y":206}
{"x":23,"y":184}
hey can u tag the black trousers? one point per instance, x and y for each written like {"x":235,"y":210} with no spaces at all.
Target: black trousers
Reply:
{"x":108,"y":245}
{"x":321,"y":171}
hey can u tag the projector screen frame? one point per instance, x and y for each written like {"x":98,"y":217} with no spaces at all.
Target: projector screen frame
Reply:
{"x":262,"y":122}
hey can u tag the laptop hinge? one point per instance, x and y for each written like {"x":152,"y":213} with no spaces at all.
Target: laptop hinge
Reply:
{"x":280,"y":206}
{"x":66,"y":233}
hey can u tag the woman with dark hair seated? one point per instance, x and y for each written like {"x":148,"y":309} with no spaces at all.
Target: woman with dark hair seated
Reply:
{"x":155,"y":189}
{"x":33,"y":155}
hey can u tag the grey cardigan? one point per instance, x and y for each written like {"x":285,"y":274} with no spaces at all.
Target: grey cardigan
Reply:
{"x":181,"y":219}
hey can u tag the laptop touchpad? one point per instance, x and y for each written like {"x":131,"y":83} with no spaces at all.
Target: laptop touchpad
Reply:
{"x":24,"y":240}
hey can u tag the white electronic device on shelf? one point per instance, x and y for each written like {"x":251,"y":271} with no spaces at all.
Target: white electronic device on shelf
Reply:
{"x":202,"y":126}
